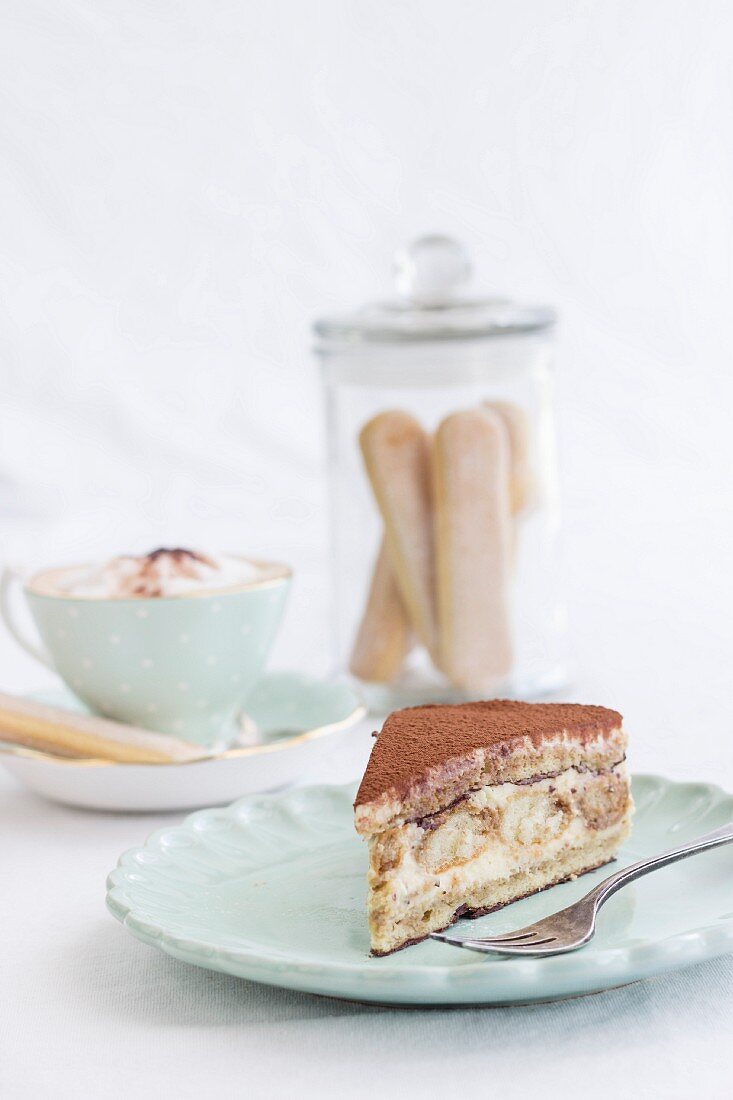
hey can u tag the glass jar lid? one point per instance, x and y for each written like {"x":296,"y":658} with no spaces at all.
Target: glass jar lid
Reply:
{"x":430,"y":277}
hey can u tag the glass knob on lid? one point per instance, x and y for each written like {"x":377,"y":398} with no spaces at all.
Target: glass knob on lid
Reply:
{"x":429,"y":271}
{"x":432,"y":304}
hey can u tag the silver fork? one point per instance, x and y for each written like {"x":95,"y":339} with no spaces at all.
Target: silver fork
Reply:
{"x":575,"y":926}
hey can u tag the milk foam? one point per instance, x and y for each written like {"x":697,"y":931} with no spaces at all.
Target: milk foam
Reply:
{"x":174,"y":572}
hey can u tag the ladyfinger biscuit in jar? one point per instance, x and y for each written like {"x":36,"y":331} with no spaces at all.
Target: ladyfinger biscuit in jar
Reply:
{"x":396,"y":451}
{"x":383,"y":637}
{"x":521,"y":478}
{"x":473,"y":548}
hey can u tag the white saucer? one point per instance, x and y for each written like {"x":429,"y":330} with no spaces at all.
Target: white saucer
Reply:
{"x":302,"y":724}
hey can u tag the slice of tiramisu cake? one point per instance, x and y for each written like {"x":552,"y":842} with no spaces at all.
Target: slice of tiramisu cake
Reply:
{"x":467,"y":808}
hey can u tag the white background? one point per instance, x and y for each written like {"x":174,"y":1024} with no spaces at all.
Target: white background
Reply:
{"x":184,"y":186}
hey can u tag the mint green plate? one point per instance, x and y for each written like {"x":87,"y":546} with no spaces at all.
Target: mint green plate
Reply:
{"x":273,"y":889}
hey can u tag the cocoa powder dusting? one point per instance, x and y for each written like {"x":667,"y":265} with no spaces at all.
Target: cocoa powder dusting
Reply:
{"x":419,"y":738}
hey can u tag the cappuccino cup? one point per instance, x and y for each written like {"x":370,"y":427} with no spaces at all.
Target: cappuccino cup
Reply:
{"x":172,"y":641}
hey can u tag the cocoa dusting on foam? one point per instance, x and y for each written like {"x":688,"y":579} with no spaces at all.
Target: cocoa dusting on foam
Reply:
{"x":152,"y":572}
{"x":415,"y":740}
{"x":179,"y":555}
{"x":167,"y":571}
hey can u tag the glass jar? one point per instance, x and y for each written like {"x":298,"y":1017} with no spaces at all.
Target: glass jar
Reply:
{"x":445,"y":510}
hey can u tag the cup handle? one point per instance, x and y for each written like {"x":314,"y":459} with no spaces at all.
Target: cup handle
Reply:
{"x":7,"y":580}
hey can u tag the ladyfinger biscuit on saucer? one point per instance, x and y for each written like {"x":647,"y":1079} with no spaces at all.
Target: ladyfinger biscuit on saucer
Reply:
{"x":382,"y":639}
{"x":396,"y":451}
{"x":521,"y":478}
{"x":61,"y":732}
{"x":473,"y":548}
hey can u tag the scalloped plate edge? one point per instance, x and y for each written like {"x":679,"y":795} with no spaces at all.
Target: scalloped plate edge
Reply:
{"x":526,"y":981}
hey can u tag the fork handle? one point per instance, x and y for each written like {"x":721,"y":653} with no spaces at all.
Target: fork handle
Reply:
{"x":609,"y":886}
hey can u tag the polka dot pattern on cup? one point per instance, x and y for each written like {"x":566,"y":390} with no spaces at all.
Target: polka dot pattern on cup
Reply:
{"x":156,"y":663}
